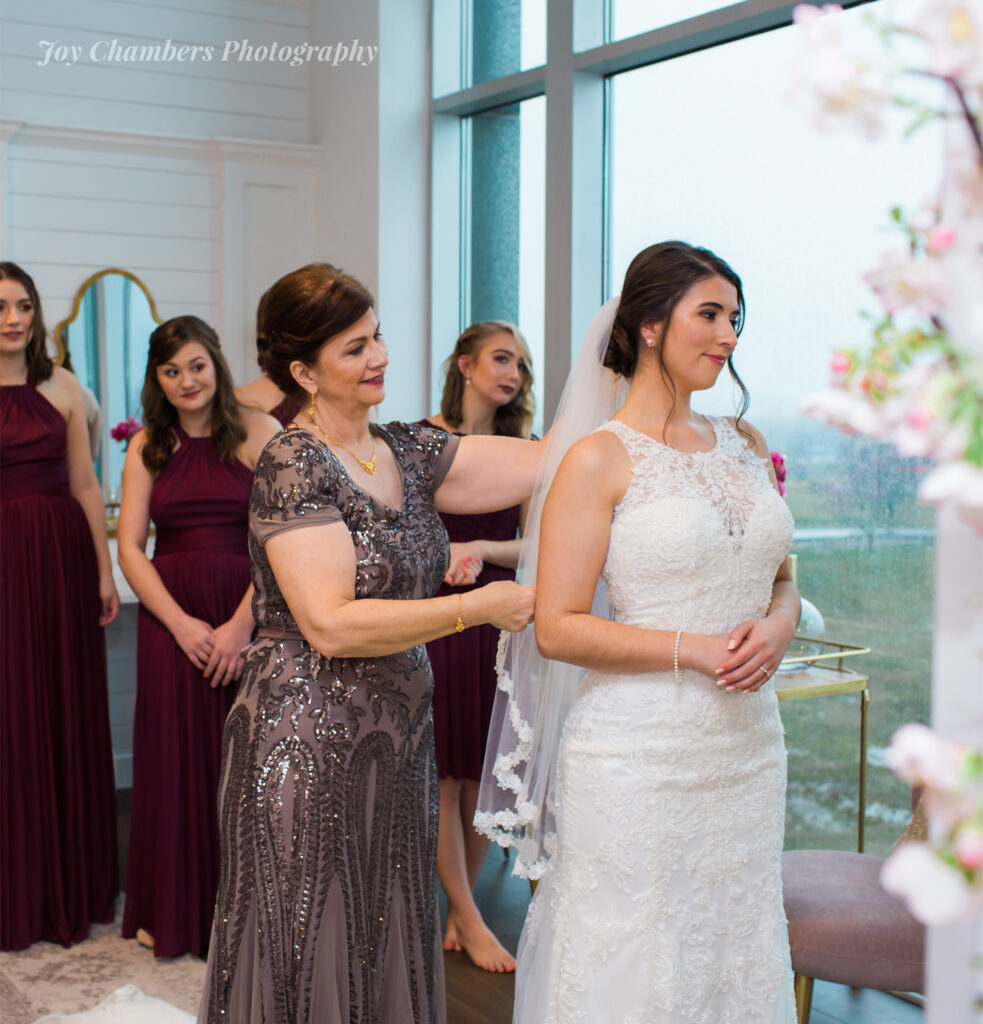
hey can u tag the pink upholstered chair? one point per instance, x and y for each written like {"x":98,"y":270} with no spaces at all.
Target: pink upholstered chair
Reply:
{"x":843,"y":927}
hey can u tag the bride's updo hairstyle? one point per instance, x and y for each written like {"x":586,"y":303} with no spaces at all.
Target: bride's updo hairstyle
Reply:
{"x":299,"y":314}
{"x":657,"y":278}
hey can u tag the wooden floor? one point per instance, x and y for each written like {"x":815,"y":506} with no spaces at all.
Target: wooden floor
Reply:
{"x":478,"y":997}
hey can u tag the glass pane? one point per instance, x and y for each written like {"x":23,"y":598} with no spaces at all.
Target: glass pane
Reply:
{"x":800,"y":216}
{"x":506,"y":36}
{"x":505,"y":226}
{"x":630,"y":17}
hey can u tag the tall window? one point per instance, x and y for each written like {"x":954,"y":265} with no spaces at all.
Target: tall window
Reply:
{"x":630,"y":17}
{"x":800,"y":216}
{"x":680,"y":129}
{"x":503,"y":223}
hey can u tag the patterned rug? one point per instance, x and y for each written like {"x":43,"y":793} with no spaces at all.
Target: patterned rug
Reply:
{"x":50,"y":979}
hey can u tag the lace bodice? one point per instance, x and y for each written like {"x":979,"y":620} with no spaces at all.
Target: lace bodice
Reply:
{"x":662,"y":901}
{"x":698,"y":537}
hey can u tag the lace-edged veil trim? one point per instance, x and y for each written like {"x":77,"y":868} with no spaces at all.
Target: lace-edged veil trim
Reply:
{"x":515,"y":801}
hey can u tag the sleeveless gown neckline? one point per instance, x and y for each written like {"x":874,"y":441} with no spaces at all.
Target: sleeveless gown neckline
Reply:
{"x":663,"y":899}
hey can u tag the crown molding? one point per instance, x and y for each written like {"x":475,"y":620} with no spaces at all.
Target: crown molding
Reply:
{"x":174,"y":146}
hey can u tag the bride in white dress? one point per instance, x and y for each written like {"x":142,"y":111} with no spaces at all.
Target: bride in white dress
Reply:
{"x":657,"y":779}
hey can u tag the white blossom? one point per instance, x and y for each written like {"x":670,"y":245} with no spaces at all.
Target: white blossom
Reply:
{"x":954,"y":32}
{"x":833,"y":87}
{"x":933,"y":891}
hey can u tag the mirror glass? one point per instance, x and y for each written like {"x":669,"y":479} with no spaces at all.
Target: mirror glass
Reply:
{"x":106,"y":340}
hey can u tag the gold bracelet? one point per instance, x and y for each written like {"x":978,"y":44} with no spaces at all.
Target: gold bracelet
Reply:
{"x":459,"y":625}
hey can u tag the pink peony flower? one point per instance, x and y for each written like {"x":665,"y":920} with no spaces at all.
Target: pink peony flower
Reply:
{"x":940,"y":237}
{"x":969,"y":848}
{"x":841,"y":365}
{"x":781,"y":470}
{"x":933,"y":891}
{"x":126,"y":429}
{"x":920,"y":756}
{"x":904,"y":280}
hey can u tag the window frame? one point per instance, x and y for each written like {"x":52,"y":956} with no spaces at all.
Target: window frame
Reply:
{"x":574,"y":80}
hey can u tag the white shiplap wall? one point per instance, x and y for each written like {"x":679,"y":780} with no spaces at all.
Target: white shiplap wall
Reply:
{"x":245,"y":100}
{"x":197,"y":178}
{"x":209,"y":181}
{"x":80,"y":200}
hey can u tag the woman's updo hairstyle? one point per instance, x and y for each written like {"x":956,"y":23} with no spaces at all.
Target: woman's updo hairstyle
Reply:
{"x":299,"y":314}
{"x":657,"y":278}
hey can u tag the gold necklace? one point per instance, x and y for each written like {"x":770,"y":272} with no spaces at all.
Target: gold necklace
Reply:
{"x":367,"y":464}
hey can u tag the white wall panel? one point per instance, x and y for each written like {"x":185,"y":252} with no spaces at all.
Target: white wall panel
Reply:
{"x":152,"y":182}
{"x":201,"y":179}
{"x":254,"y":99}
{"x":116,"y":215}
{"x":268,"y":230}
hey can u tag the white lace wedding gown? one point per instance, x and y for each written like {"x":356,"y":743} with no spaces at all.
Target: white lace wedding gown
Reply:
{"x":663,"y":900}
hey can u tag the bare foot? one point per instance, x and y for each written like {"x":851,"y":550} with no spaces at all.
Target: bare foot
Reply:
{"x":486,"y":952}
{"x":451,"y":942}
{"x":145,"y":938}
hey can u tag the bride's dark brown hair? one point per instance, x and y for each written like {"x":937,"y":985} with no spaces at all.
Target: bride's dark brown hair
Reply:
{"x":656,"y":279}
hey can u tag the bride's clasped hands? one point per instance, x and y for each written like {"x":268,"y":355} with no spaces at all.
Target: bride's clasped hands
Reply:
{"x":744,"y":659}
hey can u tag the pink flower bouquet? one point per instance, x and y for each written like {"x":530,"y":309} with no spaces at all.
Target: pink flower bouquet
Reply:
{"x":940,"y":880}
{"x":125,"y":429}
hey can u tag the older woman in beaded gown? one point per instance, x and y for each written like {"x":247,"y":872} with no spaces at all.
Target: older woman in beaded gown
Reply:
{"x":327,"y":907}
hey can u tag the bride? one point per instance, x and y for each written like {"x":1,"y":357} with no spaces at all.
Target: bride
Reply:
{"x":649,"y":792}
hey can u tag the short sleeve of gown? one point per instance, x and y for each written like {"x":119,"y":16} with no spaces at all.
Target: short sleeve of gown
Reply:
{"x":434,"y":449}
{"x":296,"y":485}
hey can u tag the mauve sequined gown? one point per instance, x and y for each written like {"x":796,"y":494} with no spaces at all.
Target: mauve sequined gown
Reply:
{"x":327,"y":904}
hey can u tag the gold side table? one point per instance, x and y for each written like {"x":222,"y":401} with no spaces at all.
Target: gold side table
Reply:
{"x":814,"y":668}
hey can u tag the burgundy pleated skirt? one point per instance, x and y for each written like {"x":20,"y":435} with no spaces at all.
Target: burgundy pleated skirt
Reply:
{"x":58,"y":861}
{"x":173,"y":861}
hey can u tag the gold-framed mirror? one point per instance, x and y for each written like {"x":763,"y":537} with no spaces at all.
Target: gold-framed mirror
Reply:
{"x":104,"y":342}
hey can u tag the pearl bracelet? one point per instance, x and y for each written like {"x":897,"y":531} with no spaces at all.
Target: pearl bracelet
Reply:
{"x":676,"y":675}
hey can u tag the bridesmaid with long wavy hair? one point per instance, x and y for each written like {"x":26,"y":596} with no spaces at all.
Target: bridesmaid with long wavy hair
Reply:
{"x":58,"y":869}
{"x":487,"y":390}
{"x":190,"y":471}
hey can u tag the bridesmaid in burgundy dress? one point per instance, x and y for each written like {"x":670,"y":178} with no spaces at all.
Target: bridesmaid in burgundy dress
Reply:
{"x":262,"y":393}
{"x":58,"y":869}
{"x":191,"y":472}
{"x":487,"y":390}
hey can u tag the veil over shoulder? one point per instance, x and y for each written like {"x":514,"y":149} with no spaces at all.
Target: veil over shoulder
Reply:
{"x":515,"y":806}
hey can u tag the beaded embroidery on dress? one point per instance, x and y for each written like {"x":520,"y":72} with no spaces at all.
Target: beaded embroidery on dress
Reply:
{"x":663,"y":900}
